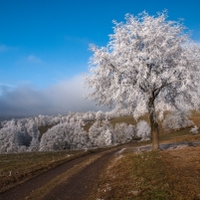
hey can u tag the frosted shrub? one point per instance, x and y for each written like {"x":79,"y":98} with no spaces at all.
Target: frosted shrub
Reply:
{"x":54,"y":139}
{"x":64,"y":136}
{"x":176,"y":121}
{"x":95,"y":134}
{"x":34,"y":146}
{"x":194,"y":129}
{"x":101,"y":134}
{"x":123,"y":133}
{"x":11,"y":140}
{"x":80,"y":139}
{"x":143,"y":130}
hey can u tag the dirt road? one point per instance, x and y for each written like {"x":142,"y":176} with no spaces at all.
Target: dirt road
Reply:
{"x":72,"y":180}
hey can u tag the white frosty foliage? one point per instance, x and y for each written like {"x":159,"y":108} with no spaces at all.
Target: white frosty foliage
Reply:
{"x":108,"y":138}
{"x":19,"y":135}
{"x":123,"y":133}
{"x":65,"y":136}
{"x":100,"y":115}
{"x":176,"y":121}
{"x":103,"y":134}
{"x":194,"y":130}
{"x":143,"y":130}
{"x":99,"y":135}
{"x":13,"y":139}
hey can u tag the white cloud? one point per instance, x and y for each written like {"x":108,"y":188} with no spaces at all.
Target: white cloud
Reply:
{"x":62,"y":97}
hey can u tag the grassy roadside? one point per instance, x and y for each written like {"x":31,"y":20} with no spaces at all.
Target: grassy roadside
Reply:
{"x":133,"y":176}
{"x":161,"y":175}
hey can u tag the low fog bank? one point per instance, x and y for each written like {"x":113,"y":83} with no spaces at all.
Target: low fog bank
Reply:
{"x":60,"y":98}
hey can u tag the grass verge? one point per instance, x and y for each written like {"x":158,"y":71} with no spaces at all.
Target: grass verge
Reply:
{"x":161,"y":175}
{"x":131,"y":176}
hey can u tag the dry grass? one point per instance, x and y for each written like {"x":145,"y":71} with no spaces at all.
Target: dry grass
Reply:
{"x":170,"y":175}
{"x":43,"y":129}
{"x":183,"y":172}
{"x":133,"y":176}
{"x":15,"y":168}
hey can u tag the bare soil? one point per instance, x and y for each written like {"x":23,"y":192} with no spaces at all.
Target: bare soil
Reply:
{"x":81,"y":184}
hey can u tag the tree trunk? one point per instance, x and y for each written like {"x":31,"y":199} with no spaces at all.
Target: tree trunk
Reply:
{"x":154,"y":126}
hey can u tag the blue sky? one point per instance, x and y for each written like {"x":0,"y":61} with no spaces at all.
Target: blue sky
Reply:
{"x":44,"y":47}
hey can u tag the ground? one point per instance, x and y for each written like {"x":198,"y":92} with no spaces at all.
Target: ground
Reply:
{"x":129,"y":171}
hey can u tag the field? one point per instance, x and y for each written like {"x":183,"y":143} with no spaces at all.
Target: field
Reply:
{"x":170,"y":174}
{"x":18,"y":167}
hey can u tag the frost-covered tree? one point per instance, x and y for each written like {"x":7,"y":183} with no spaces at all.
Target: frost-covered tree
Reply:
{"x":149,"y":65}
